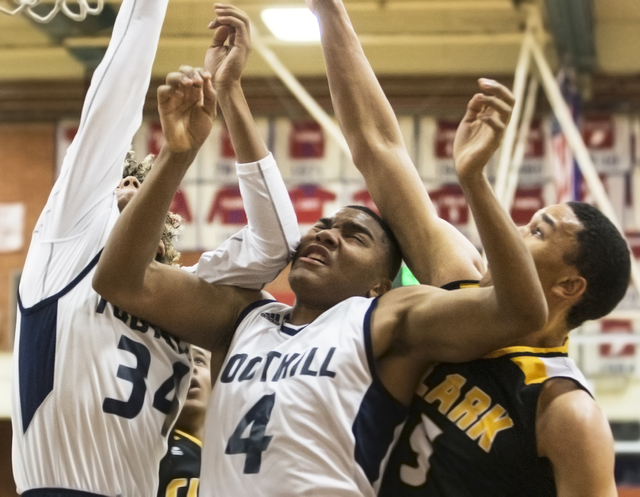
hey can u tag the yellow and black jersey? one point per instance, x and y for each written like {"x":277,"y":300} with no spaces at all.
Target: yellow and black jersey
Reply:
{"x":180,"y":467}
{"x":471,"y":431}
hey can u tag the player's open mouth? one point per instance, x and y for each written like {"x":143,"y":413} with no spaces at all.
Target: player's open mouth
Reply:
{"x":316,"y":254}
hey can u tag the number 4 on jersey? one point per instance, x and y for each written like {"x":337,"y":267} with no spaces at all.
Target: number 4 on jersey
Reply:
{"x":257,"y":442}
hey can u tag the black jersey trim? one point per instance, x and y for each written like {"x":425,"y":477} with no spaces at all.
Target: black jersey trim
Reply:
{"x":64,"y":291}
{"x":455,"y":285}
{"x":37,"y":348}
{"x":368,"y":347}
{"x":380,"y":413}
{"x":58,"y":492}
{"x":251,"y":307}
{"x":529,"y":354}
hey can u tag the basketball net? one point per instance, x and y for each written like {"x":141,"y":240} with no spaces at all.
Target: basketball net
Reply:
{"x":83,"y":9}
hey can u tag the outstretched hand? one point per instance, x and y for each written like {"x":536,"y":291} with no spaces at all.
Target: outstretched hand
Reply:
{"x":482,"y":128}
{"x":187,"y":107}
{"x":231,"y":46}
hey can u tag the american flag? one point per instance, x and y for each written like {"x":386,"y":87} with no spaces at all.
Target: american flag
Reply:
{"x":568,"y":179}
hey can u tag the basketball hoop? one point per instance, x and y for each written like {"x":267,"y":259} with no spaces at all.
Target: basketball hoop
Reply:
{"x":27,"y":6}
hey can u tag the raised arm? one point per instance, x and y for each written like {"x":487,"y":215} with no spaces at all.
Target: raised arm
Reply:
{"x":257,"y":254}
{"x":422,"y":324}
{"x":112,"y":112}
{"x":81,"y":207}
{"x":127,"y":274}
{"x":434,"y":250}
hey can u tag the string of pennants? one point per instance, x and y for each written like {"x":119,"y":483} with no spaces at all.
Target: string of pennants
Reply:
{"x":321,"y":178}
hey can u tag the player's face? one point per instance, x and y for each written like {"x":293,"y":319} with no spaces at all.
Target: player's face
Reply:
{"x":125,"y":191}
{"x":340,"y":257}
{"x":551,"y":238}
{"x":200,"y":386}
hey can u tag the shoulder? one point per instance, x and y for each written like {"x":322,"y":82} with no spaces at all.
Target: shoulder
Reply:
{"x":573,"y":433}
{"x":566,"y":411}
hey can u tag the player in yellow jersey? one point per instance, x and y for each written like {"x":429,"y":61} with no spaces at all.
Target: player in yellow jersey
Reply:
{"x":521,"y":421}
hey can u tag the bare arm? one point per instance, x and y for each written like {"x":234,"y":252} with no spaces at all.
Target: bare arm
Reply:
{"x":127,"y":274}
{"x":434,"y":250}
{"x":573,"y":433}
{"x":261,"y":250}
{"x":428,"y":324}
{"x":226,"y":59}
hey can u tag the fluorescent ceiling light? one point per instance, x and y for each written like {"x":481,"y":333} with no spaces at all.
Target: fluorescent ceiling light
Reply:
{"x":292,"y":24}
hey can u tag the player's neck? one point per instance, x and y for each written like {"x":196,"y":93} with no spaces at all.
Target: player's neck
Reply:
{"x":304,"y":314}
{"x":191,"y":426}
{"x":554,"y":334}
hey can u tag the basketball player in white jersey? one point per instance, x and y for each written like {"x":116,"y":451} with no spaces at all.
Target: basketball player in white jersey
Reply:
{"x":96,"y":390}
{"x":558,"y":441}
{"x":180,"y":467}
{"x":310,"y":398}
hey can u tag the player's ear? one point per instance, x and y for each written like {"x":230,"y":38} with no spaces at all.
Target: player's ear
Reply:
{"x":380,"y":288}
{"x":161,"y":250}
{"x":570,"y":288}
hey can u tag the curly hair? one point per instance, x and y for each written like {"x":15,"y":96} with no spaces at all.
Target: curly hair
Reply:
{"x":603,"y":259}
{"x":139,"y":170}
{"x":170,"y":232}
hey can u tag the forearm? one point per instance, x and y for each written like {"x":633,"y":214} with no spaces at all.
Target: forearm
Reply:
{"x":365,"y":115}
{"x":262,"y":249}
{"x":516,"y":284}
{"x":134,"y":241}
{"x":247,"y":142}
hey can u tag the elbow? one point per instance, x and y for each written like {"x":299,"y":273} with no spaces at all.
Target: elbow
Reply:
{"x":100,"y":284}
{"x":108,"y":286}
{"x":374,"y":149}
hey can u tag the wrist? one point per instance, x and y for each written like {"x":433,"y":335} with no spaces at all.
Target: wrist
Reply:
{"x":472,"y":178}
{"x":226,"y":89}
{"x":324,"y":6}
{"x":176,"y":157}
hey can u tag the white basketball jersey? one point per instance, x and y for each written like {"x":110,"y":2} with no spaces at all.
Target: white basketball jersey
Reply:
{"x":98,"y":393}
{"x":299,"y":412}
{"x":95,"y":390}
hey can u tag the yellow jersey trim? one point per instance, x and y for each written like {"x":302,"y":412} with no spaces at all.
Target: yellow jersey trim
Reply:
{"x":533,"y":368}
{"x":563,"y":349}
{"x":469,"y":285}
{"x":190,"y":437}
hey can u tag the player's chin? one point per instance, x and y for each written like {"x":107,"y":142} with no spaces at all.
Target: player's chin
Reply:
{"x":193,"y":405}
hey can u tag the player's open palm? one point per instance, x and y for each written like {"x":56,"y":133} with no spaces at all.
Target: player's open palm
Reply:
{"x":482,"y":128}
{"x":231,"y":46}
{"x":187,"y":105}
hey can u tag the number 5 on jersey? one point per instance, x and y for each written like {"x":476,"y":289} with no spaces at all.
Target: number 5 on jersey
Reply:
{"x":257,"y":442}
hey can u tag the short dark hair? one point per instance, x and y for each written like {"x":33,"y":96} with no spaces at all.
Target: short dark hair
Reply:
{"x":395,"y":254}
{"x":603,"y":259}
